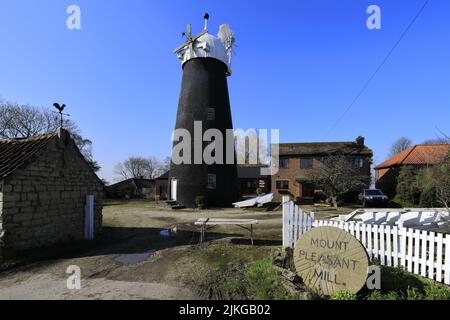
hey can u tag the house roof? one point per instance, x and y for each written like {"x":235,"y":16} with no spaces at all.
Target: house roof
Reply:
{"x":165,"y":176}
{"x":14,"y":153}
{"x":144,"y":183}
{"x":139,"y":183}
{"x":324,"y":148}
{"x":421,"y":154}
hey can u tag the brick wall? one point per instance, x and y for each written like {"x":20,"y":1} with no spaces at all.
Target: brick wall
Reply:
{"x":43,"y":203}
{"x":294,"y":172}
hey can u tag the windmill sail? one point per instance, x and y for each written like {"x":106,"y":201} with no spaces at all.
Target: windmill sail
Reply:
{"x":226,"y":35}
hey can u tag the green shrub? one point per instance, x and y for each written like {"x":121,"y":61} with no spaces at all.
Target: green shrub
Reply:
{"x":428,"y":197}
{"x":378,"y":295}
{"x":409,"y":186}
{"x":433,"y":291}
{"x":344,"y":295}
{"x":398,"y":280}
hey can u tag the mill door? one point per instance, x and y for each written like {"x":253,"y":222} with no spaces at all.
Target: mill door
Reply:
{"x":173,"y":189}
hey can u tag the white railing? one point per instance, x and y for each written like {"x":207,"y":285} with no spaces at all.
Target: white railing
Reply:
{"x":421,"y":252}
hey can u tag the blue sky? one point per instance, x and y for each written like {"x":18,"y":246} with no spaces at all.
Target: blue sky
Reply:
{"x":298,"y":66}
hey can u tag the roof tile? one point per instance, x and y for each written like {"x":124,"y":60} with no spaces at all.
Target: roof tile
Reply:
{"x":421,"y":154}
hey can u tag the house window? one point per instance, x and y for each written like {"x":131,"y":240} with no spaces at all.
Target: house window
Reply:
{"x":212,"y":181}
{"x":283,"y":185}
{"x":359,"y":163}
{"x":211,"y":114}
{"x":306,"y":163}
{"x":284,"y":163}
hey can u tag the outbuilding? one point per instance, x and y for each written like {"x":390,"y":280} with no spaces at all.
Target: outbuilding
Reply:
{"x":49,"y":194}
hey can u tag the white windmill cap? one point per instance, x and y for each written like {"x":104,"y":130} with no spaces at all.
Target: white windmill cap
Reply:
{"x":206,"y":46}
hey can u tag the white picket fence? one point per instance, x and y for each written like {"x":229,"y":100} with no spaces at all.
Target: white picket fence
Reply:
{"x":423,"y":253}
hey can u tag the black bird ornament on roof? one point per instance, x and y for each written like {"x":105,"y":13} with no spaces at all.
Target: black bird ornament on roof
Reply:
{"x":60,"y":109}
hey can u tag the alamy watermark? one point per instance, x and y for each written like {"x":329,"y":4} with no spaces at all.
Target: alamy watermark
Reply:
{"x":74,"y":280}
{"x":251,"y":147}
{"x":374,"y":20}
{"x":73,"y":22}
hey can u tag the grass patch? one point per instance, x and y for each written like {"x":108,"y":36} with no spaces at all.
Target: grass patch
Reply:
{"x":264,"y":281}
{"x":242,"y":273}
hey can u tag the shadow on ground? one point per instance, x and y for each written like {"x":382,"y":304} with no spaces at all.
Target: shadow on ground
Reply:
{"x":116,"y":241}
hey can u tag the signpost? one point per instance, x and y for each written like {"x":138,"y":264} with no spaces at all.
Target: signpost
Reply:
{"x":331,"y":260}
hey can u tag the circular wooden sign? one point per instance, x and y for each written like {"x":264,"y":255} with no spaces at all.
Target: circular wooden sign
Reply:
{"x":332,"y":260}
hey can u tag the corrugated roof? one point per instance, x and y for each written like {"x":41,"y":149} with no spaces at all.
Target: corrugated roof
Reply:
{"x":16,"y":152}
{"x":421,"y":154}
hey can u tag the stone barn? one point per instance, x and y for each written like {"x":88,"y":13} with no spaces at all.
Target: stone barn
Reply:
{"x":48,"y":193}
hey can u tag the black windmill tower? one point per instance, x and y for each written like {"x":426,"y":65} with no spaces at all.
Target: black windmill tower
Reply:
{"x":206,"y":63}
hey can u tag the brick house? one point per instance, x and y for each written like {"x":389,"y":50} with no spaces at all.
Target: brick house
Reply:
{"x":44,"y":182}
{"x":419,"y":156}
{"x":298,"y":159}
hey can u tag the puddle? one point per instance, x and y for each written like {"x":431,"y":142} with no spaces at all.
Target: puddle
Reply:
{"x":135,"y":258}
{"x":165,"y":233}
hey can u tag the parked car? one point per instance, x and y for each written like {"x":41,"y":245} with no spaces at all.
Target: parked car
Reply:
{"x":373,"y":197}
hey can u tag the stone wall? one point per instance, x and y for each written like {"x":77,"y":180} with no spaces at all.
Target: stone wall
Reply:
{"x":43,"y":203}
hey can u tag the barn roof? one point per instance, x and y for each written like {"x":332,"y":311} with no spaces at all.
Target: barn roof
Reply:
{"x":16,"y":152}
{"x":421,"y":154}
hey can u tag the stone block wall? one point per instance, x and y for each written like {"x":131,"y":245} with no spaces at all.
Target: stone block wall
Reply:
{"x":43,"y":203}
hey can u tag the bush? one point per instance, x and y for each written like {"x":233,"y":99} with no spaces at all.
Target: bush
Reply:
{"x":319,"y":196}
{"x":344,"y":295}
{"x":378,"y":295}
{"x":434,"y":291}
{"x":428,"y":197}
{"x":200,"y":202}
{"x":398,"y":280}
{"x":408,"y":186}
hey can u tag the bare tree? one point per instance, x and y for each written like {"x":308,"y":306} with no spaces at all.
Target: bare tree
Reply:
{"x":440,"y":140}
{"x":337,"y":176}
{"x":163,"y":167}
{"x":25,"y":121}
{"x":138,"y":167}
{"x":400,"y":145}
{"x":441,"y":182}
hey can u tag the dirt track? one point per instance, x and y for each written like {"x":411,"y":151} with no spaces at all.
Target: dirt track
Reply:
{"x":133,"y":261}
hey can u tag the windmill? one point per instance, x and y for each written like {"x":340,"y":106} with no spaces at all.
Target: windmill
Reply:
{"x":204,"y":99}
{"x":192,"y":39}
{"x":60,"y":109}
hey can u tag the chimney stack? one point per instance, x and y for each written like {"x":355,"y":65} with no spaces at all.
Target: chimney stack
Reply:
{"x":360,"y":141}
